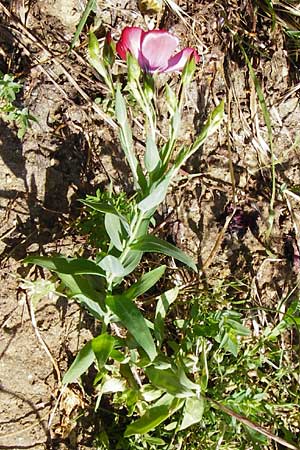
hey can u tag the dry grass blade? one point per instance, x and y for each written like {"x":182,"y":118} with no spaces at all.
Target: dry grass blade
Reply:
{"x":40,"y":339}
{"x":219,"y":241}
{"x":253,"y":425}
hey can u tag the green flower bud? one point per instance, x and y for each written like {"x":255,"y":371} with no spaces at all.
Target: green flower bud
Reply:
{"x":134,"y":70}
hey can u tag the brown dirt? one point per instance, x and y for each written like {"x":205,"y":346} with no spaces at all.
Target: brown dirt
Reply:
{"x":71,"y":150}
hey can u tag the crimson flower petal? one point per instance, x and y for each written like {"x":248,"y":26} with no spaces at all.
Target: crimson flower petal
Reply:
{"x":157,"y":48}
{"x":130,"y":41}
{"x":177,"y":62}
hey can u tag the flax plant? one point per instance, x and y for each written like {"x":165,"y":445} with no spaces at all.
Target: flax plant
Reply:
{"x":133,"y":365}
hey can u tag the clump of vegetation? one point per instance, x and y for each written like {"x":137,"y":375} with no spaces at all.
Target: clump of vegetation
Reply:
{"x":92,"y":223}
{"x":9,"y":111}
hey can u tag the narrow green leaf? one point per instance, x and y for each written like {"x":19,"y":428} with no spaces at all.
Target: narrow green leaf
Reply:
{"x":131,"y":261}
{"x":81,"y":289}
{"x":111,"y":265}
{"x":106,"y":208}
{"x":151,"y":243}
{"x":145,"y":283}
{"x":126,"y":138}
{"x":113,"y":228}
{"x":120,"y":110}
{"x":193,"y":412}
{"x":133,"y":69}
{"x":133,"y":320}
{"x":61,"y":264}
{"x":155,"y":197}
{"x":293,"y":34}
{"x":149,"y":421}
{"x":188,"y":71}
{"x":80,"y":365}
{"x":88,"y":9}
{"x":171,"y":98}
{"x":211,"y":125}
{"x":100,"y":206}
{"x":167,"y":380}
{"x":163,"y":304}
{"x":102,"y":347}
{"x":94,"y":55}
{"x":238,"y":327}
{"x":151,"y":158}
{"x":118,"y":356}
{"x":154,"y":416}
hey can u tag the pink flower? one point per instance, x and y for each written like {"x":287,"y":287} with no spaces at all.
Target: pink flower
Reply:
{"x":154,"y":50}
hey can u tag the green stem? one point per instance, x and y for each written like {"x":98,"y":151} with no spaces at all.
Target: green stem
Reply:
{"x":174,"y":131}
{"x":148,"y":110}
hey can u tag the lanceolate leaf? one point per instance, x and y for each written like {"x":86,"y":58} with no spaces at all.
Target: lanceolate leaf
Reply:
{"x":71,"y":272}
{"x":145,"y":283}
{"x":94,"y":56}
{"x":80,"y":365}
{"x":106,"y":208}
{"x":163,"y":304}
{"x":152,"y":158}
{"x":153,"y":417}
{"x":89,"y":7}
{"x":155,"y":197}
{"x":133,"y":320}
{"x":81,"y":289}
{"x":131,"y":261}
{"x":61,"y":264}
{"x":102,"y":347}
{"x":213,"y":122}
{"x":153,"y":244}
{"x":112,"y":265}
{"x":101,"y":207}
{"x":114,"y":230}
{"x":167,"y":380}
{"x":193,"y":411}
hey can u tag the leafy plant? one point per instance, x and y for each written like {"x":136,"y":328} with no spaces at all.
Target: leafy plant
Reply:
{"x":92,"y":222}
{"x":8,"y":110}
{"x":134,"y":368}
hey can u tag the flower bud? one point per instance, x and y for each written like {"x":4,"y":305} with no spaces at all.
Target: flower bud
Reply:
{"x":188,"y":70}
{"x":108,"y":51}
{"x":148,"y":86}
{"x":134,"y":70}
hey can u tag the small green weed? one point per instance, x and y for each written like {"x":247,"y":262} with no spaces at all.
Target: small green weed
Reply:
{"x":92,"y":223}
{"x":8,"y":110}
{"x":232,"y":365}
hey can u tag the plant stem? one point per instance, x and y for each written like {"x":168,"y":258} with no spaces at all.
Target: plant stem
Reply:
{"x":148,"y":110}
{"x":174,"y":130}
